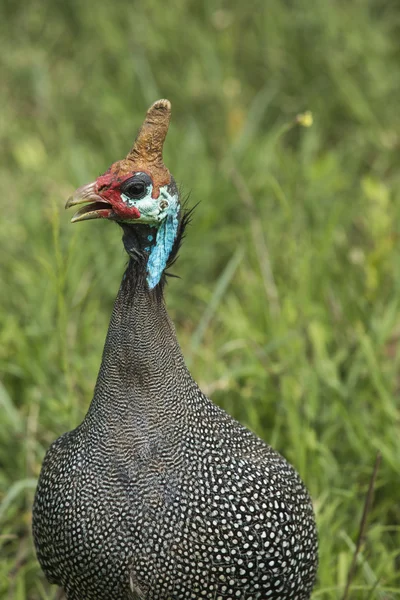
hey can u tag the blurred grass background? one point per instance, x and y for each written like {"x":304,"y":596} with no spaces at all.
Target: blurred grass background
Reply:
{"x":288,"y":305}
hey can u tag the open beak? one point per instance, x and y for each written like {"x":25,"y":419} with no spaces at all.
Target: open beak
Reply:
{"x":95,"y":206}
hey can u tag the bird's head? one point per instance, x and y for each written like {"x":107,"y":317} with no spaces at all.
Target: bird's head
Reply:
{"x":139,"y":190}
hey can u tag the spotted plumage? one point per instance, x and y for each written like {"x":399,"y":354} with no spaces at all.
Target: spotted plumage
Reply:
{"x":159,"y":494}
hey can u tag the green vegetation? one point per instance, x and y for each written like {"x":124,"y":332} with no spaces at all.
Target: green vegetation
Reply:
{"x":288,"y":304}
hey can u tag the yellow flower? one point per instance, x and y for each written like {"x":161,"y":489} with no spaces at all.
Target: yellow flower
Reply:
{"x":305,"y":119}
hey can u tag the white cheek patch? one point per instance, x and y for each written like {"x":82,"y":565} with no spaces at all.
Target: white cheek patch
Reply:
{"x":153,"y":210}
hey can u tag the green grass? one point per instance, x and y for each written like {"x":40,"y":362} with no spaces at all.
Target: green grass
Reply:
{"x":288,"y":305}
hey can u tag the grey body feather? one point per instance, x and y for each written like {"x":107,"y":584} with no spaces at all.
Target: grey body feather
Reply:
{"x":159,"y":494}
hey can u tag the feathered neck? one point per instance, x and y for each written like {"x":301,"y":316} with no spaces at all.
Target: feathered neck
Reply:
{"x":142,"y":371}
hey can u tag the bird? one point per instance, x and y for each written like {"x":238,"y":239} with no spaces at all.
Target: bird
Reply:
{"x":159,"y":494}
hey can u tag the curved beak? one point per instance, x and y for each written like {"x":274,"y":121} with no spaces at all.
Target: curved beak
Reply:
{"x":95,"y":206}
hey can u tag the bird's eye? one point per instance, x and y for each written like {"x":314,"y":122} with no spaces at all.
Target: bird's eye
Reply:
{"x":136,"y":190}
{"x":136,"y":187}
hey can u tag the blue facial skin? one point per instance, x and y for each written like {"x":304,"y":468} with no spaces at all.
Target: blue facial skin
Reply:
{"x":161,"y":212}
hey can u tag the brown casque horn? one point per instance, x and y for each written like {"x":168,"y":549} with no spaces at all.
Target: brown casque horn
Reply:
{"x":149,"y":142}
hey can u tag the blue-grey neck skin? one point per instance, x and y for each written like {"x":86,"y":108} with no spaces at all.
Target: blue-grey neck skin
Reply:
{"x":162,"y":214}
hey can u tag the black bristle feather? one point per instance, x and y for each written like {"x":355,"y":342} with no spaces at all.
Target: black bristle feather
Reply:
{"x":184,"y":222}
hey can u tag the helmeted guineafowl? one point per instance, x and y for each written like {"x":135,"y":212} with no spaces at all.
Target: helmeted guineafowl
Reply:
{"x":159,"y":494}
